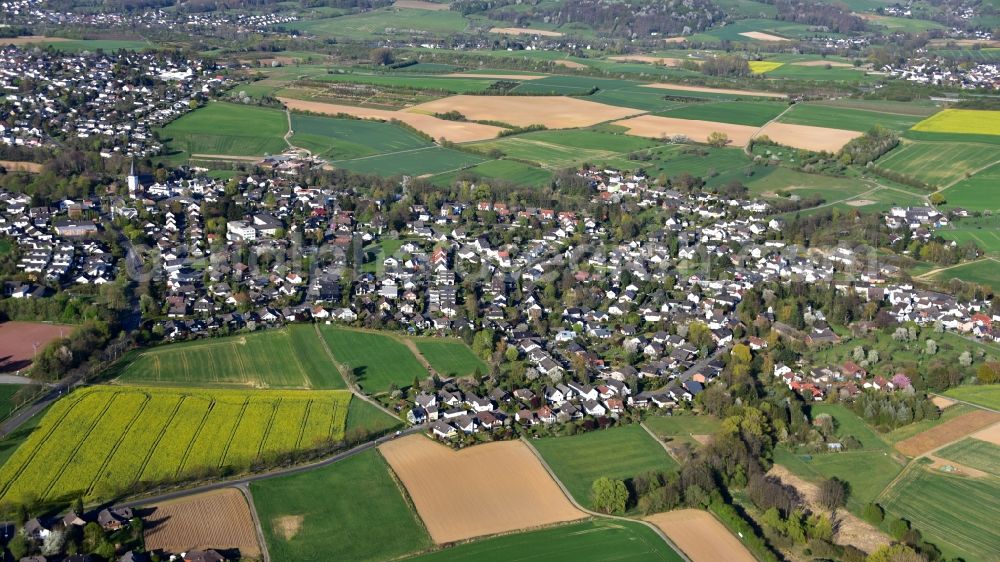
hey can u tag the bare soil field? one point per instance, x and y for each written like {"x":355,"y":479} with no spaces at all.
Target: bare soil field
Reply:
{"x":809,"y":138}
{"x":569,"y":63}
{"x":701,"y":536}
{"x":822,"y":63}
{"x":525,"y":31}
{"x":850,"y":529}
{"x":761,"y":36}
{"x":707,"y":90}
{"x":943,"y":402}
{"x":219,"y":519}
{"x":18,"y":341}
{"x":991,"y":434}
{"x":947,"y":432}
{"x":666,"y":61}
{"x":455,"y":131}
{"x":482,"y":490}
{"x":654,"y":126}
{"x":555,"y":112}
{"x":860,"y":202}
{"x":420,"y":5}
{"x":27,"y":39}
{"x":19,"y":166}
{"x":674,"y":40}
{"x":497,"y":76}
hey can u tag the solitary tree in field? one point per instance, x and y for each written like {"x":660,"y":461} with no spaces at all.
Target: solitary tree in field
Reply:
{"x":718,"y":139}
{"x":610,"y":496}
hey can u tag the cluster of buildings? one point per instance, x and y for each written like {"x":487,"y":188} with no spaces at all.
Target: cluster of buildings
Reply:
{"x":56,"y":96}
{"x":937,"y":71}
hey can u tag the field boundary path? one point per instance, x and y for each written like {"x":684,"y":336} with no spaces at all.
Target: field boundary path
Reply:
{"x":933,"y":272}
{"x":746,"y":147}
{"x":577,"y":505}
{"x":658,"y":440}
{"x":349,"y":381}
{"x":248,"y":496}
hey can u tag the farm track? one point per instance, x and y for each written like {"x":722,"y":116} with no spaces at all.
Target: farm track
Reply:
{"x":577,"y":505}
{"x":118,"y":443}
{"x":159,"y":437}
{"x":232,"y":432}
{"x":270,"y":425}
{"x":658,"y":440}
{"x":746,"y":147}
{"x":934,"y":272}
{"x":194,"y":438}
{"x":305,"y":421}
{"x":86,"y":435}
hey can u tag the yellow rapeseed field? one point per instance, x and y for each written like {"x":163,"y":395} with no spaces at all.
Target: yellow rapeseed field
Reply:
{"x":968,"y":121}
{"x":762,"y":66}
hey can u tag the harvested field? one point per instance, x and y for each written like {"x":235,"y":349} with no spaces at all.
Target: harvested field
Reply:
{"x":991,"y":434}
{"x":181,"y":525}
{"x":19,"y":166}
{"x":569,"y":64}
{"x":850,"y":528}
{"x":683,"y":88}
{"x":947,"y":432}
{"x":18,"y":341}
{"x":809,"y":138}
{"x":666,"y":61}
{"x":497,"y":76}
{"x":942,"y":402}
{"x":454,"y":131}
{"x":420,"y":5}
{"x":822,"y":63}
{"x":654,"y":126}
{"x":555,"y":112}
{"x":525,"y":31}
{"x":29,"y":39}
{"x":483,"y":490}
{"x":701,"y":536}
{"x":761,"y":36}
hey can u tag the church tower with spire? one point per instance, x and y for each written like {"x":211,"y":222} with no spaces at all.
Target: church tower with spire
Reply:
{"x":133,"y":182}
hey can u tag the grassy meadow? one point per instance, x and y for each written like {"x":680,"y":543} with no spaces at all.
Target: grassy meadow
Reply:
{"x":450,"y":357}
{"x":975,"y":453}
{"x":821,"y":115}
{"x":228,"y":129}
{"x":938,"y":163}
{"x":979,"y":192}
{"x":344,"y":139}
{"x":378,"y":360}
{"x":987,"y":395}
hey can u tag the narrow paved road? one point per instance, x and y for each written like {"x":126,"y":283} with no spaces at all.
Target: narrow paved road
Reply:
{"x":248,"y":496}
{"x":11,"y":424}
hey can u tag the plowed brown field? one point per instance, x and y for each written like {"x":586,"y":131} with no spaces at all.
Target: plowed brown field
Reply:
{"x":455,"y":131}
{"x":809,"y":138}
{"x":654,"y":126}
{"x":482,"y":490}
{"x":947,"y":432}
{"x":701,"y":536}
{"x":555,"y":112}
{"x":219,"y":519}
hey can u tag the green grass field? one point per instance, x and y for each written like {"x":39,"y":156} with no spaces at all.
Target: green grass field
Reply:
{"x":957,"y":514}
{"x":450,"y":356}
{"x":508,"y":171}
{"x":848,"y":423}
{"x":620,"y":452}
{"x":980,"y":192}
{"x":962,"y":121}
{"x":106,"y":45}
{"x":564,"y":149}
{"x":983,"y":272}
{"x":291,"y":357}
{"x":7,"y":392}
{"x":378,"y":360}
{"x":102,"y":440}
{"x":806,"y":185}
{"x":866,"y":472}
{"x":365,"y":418}
{"x":750,"y":113}
{"x":228,"y":129}
{"x":974,"y":453}
{"x":682,"y":429}
{"x":599,"y":539}
{"x":985,"y":394}
{"x":817,"y":115}
{"x":409,"y":80}
{"x":387,"y":21}
{"x":431,"y":160}
{"x":351,"y":510}
{"x":344,"y":139}
{"x":938,"y":163}
{"x":983,"y":231}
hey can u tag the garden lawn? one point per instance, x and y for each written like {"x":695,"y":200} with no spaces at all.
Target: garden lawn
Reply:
{"x":292,"y":357}
{"x":377,"y":360}
{"x":450,"y":357}
{"x":598,"y":539}
{"x":620,"y":453}
{"x":352,"y":510}
{"x":955,"y":513}
{"x":228,"y":129}
{"x":987,"y":395}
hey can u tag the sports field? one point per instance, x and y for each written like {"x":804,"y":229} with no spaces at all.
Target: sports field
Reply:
{"x":963,"y":121}
{"x":343,"y":139}
{"x":598,"y":539}
{"x":228,"y":129}
{"x":378,"y":360}
{"x":620,"y":452}
{"x":350,"y":510}
{"x":980,"y":192}
{"x":938,"y":163}
{"x":818,"y":115}
{"x":979,"y":454}
{"x":955,"y":513}
{"x":450,"y":357}
{"x":985,"y":395}
{"x":291,"y":357}
{"x":100,"y":441}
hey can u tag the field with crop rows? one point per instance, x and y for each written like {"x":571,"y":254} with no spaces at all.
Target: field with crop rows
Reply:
{"x":292,"y":357}
{"x":343,"y":139}
{"x":101,"y":441}
{"x":980,"y":192}
{"x":378,"y":361}
{"x":228,"y":129}
{"x":750,"y":113}
{"x":846,"y":118}
{"x":976,"y":453}
{"x":938,"y":163}
{"x":450,"y":356}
